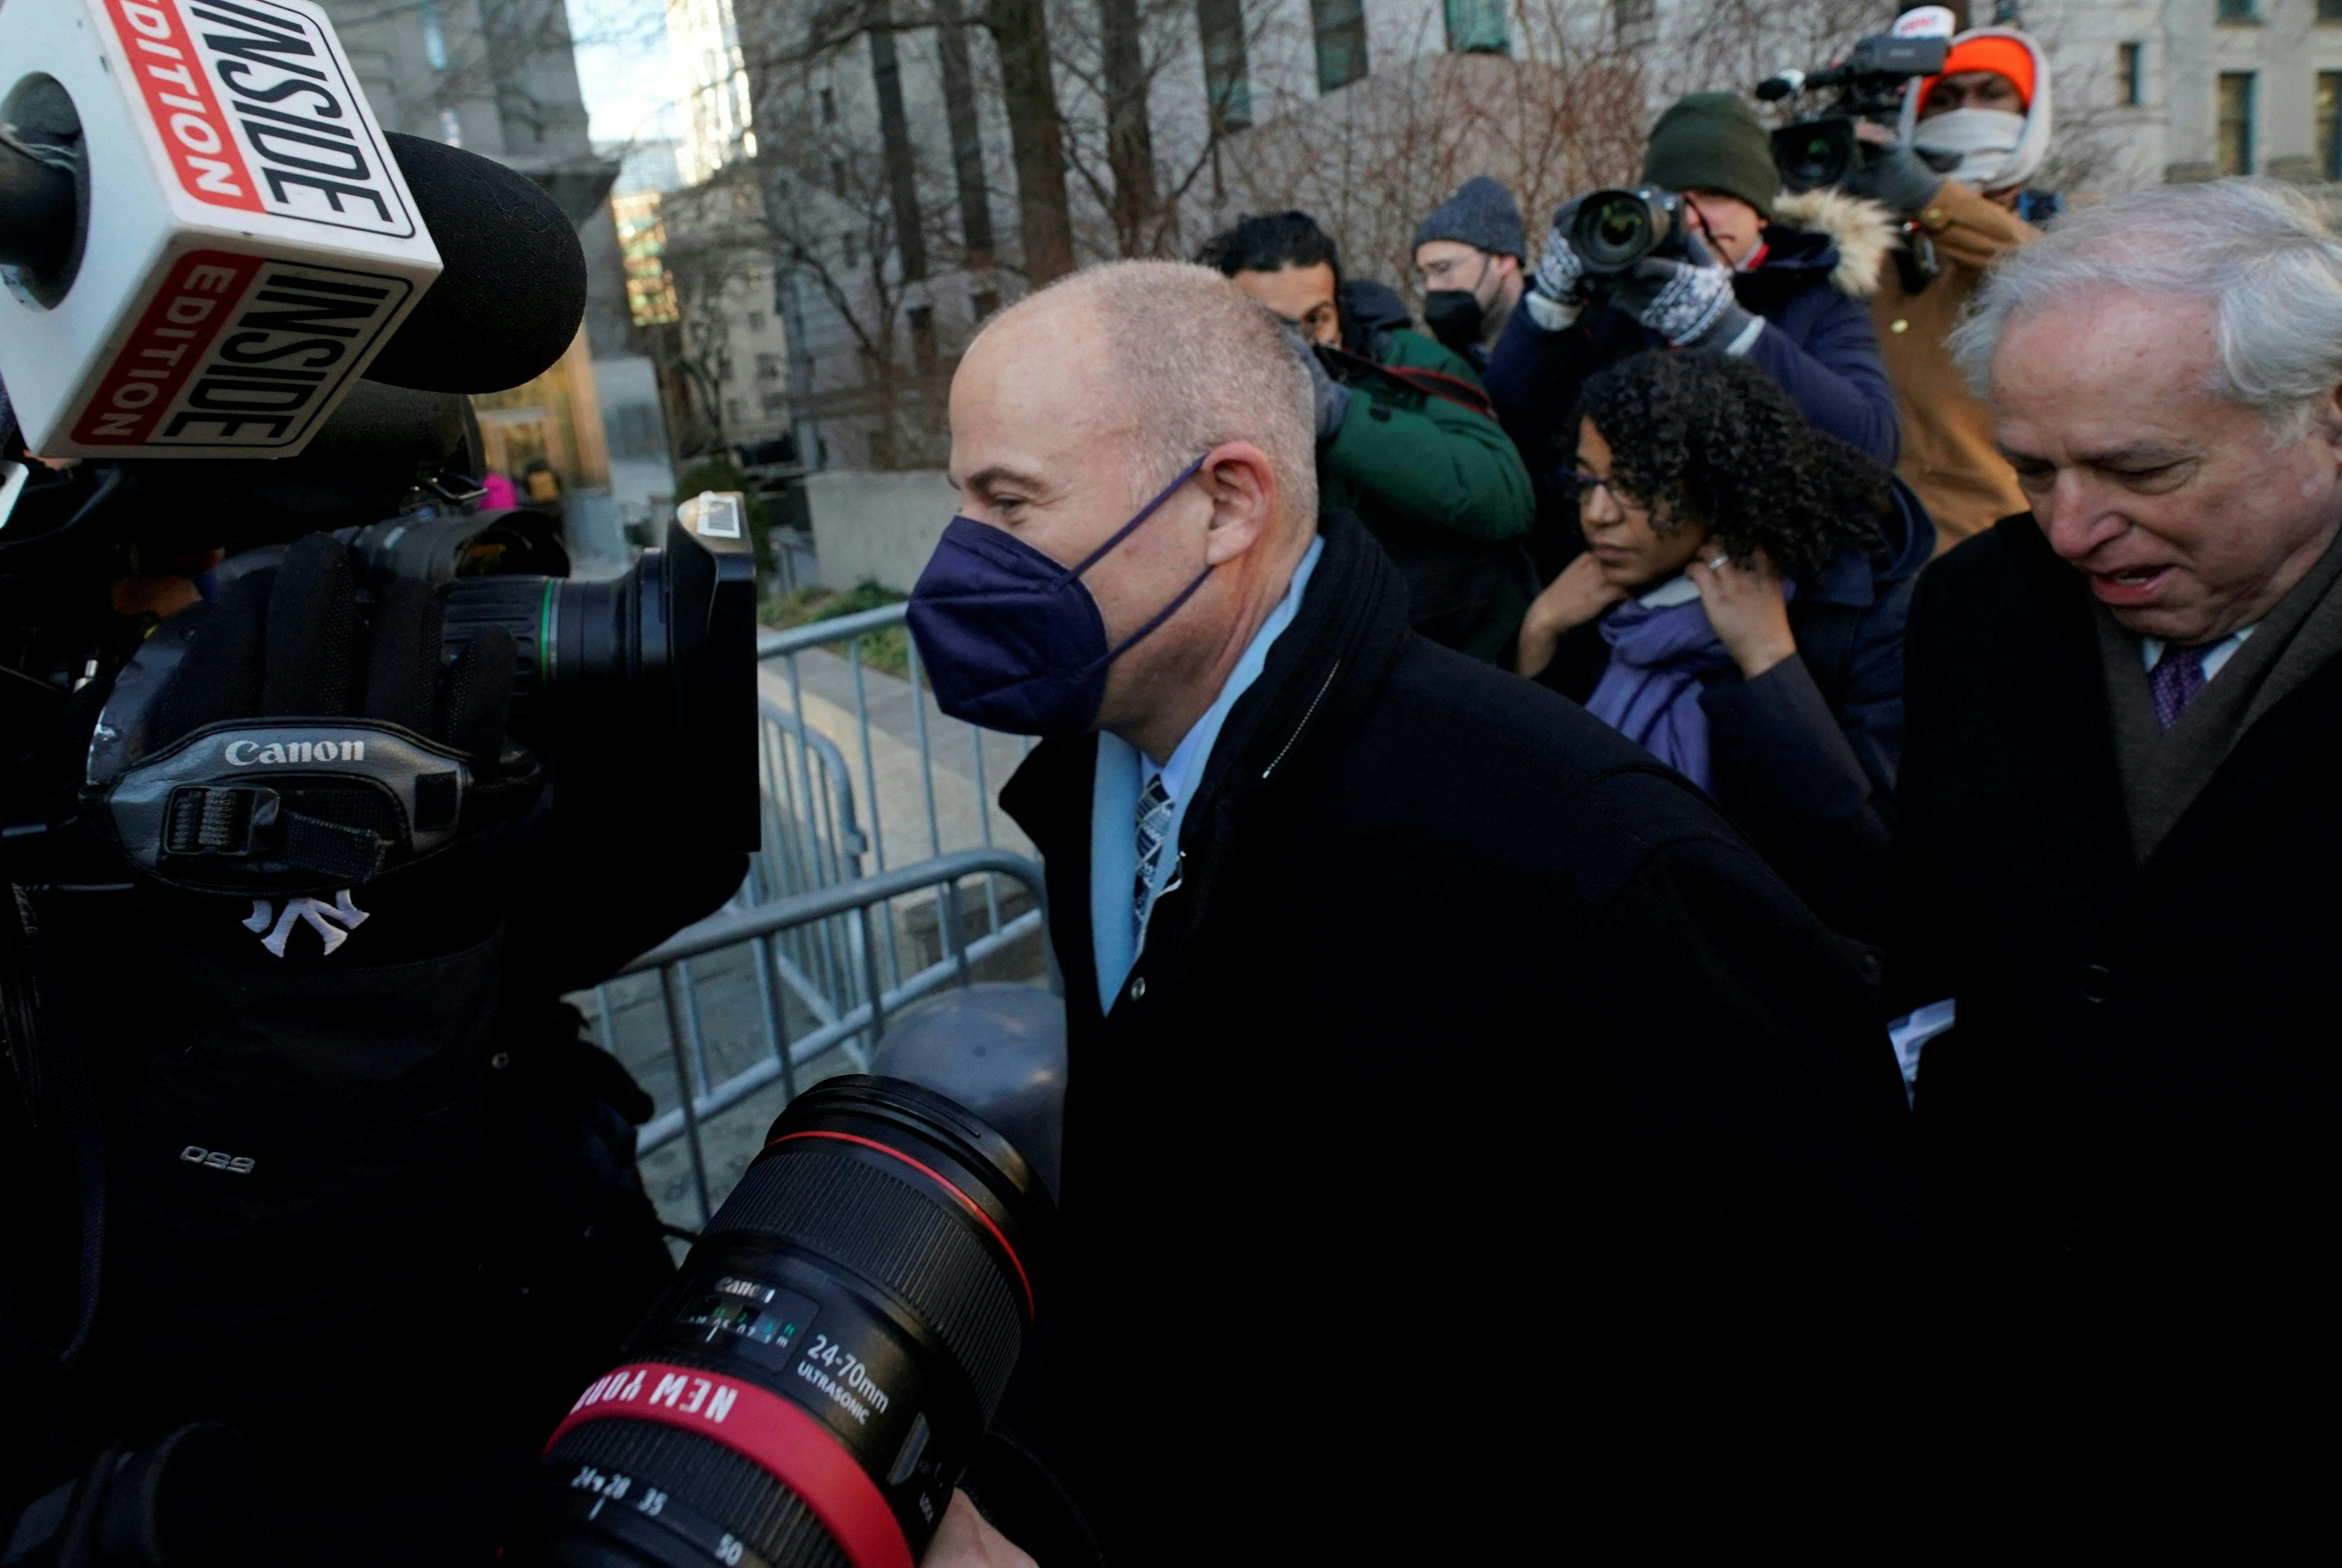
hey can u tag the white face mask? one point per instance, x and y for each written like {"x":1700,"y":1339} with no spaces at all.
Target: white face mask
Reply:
{"x":1985,"y":139}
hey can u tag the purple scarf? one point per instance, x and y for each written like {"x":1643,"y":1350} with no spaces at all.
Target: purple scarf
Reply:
{"x":1649,"y":691}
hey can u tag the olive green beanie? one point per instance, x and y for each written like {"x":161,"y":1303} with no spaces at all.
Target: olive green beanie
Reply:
{"x":1712,"y":142}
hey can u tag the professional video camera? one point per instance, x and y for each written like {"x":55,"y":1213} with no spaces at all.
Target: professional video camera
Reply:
{"x":296,"y":364}
{"x":1868,"y":83}
{"x":237,"y":316}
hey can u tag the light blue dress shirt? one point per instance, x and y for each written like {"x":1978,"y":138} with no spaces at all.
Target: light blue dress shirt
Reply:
{"x":1123,"y":773}
{"x":2150,"y":652}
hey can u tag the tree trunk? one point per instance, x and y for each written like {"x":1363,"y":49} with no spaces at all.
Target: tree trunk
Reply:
{"x":1129,"y":142}
{"x":894,"y":139}
{"x":1037,"y":135}
{"x":966,"y":134}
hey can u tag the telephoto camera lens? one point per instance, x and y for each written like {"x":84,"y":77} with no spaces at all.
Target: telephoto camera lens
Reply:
{"x":813,"y":1384}
{"x":1616,"y":228}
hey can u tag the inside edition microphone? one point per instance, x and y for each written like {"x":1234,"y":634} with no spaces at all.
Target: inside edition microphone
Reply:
{"x":206,"y":237}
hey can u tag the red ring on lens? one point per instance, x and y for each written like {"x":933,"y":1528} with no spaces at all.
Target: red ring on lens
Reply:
{"x":1031,"y":1311}
{"x":768,"y":1431}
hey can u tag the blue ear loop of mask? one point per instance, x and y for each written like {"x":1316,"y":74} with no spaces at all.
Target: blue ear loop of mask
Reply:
{"x":1125,"y":532}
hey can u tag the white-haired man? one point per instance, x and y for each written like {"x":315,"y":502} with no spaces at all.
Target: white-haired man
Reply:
{"x":1412,"y":1012}
{"x":2119,"y":793}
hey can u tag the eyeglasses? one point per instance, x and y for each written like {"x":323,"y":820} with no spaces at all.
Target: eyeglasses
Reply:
{"x":1587,"y":483}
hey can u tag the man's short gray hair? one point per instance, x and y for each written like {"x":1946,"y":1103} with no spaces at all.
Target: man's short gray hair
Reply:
{"x":2253,"y":250}
{"x":1202,"y":363}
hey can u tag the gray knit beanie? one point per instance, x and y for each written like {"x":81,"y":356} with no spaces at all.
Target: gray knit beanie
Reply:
{"x":1482,"y":215}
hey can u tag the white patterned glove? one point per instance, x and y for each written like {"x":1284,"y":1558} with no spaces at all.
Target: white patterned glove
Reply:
{"x":1689,"y":302}
{"x":1558,"y":293}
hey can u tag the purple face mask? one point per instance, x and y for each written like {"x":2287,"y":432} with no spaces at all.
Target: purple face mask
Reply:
{"x":1012,"y":640}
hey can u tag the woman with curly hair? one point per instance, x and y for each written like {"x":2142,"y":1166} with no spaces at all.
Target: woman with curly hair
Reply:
{"x":1738,"y":612}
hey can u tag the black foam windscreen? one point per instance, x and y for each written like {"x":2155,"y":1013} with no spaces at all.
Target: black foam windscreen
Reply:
{"x":513,"y":291}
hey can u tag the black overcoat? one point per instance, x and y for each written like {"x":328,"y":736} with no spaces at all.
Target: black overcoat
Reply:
{"x":1466,"y":1044}
{"x":2133,"y":1135}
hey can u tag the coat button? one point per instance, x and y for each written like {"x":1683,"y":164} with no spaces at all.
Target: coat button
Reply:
{"x":1139,"y":989}
{"x":2097,"y":982}
{"x":1899,"y":325}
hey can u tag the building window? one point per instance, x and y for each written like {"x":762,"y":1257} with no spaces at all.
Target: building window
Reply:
{"x":2239,"y":10}
{"x":776,"y":405}
{"x":1341,"y":29}
{"x":2329,"y":124}
{"x":451,"y":128}
{"x":1635,"y":22}
{"x":2130,"y":74}
{"x":828,"y":107}
{"x":2236,"y":122}
{"x":1476,"y":27}
{"x":985,"y":303}
{"x":1228,"y":79}
{"x":837,"y":177}
{"x":923,"y":338}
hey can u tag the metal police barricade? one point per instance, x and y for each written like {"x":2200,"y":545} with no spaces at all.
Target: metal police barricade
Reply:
{"x":702,"y":1096}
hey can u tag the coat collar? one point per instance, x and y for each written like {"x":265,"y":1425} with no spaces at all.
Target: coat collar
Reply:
{"x":1321,"y":677}
{"x":2280,"y":741}
{"x":1856,"y":577}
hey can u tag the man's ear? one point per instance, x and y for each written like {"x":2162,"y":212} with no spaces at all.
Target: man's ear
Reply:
{"x":1242,"y":486}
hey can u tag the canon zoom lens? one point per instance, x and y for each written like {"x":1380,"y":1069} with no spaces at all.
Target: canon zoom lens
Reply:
{"x":1614,"y":229}
{"x":662,"y":657}
{"x":813,"y":1384}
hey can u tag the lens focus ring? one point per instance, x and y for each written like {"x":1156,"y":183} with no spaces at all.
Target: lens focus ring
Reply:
{"x":710,"y":1479}
{"x":897,"y":1230}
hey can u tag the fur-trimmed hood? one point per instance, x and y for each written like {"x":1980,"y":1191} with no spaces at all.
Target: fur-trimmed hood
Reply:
{"x":1860,"y":233}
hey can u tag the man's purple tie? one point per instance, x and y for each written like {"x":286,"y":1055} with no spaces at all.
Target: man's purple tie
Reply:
{"x":2176,"y":679}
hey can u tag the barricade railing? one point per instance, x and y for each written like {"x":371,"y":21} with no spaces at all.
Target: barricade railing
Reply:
{"x":959,"y":767}
{"x":855,"y":1026}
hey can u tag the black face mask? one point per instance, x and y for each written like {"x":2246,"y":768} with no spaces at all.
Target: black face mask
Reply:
{"x":1455,"y":317}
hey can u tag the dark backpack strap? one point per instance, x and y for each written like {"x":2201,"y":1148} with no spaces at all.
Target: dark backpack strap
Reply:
{"x":1354,"y":369}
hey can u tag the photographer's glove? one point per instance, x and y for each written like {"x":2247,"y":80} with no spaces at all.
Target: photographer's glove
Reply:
{"x":1558,"y":293}
{"x":1896,"y":177}
{"x":1688,"y":301}
{"x":278,"y":742}
{"x":1329,"y":398}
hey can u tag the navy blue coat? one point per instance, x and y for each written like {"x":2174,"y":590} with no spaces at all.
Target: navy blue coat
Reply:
{"x":1817,"y":344}
{"x":1803,"y":758}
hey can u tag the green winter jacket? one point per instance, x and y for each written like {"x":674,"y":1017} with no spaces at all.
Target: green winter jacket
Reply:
{"x":1443,"y":490}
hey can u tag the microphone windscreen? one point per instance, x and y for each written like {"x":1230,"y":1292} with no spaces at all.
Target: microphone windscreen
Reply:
{"x":513,"y":292}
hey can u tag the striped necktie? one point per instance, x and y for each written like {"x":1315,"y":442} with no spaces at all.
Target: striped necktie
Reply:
{"x":1154,"y":823}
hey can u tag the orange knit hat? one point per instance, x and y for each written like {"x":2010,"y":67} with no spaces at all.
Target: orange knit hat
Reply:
{"x":1990,"y":53}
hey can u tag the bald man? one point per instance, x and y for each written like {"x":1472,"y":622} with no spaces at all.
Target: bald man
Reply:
{"x":1409,"y":1005}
